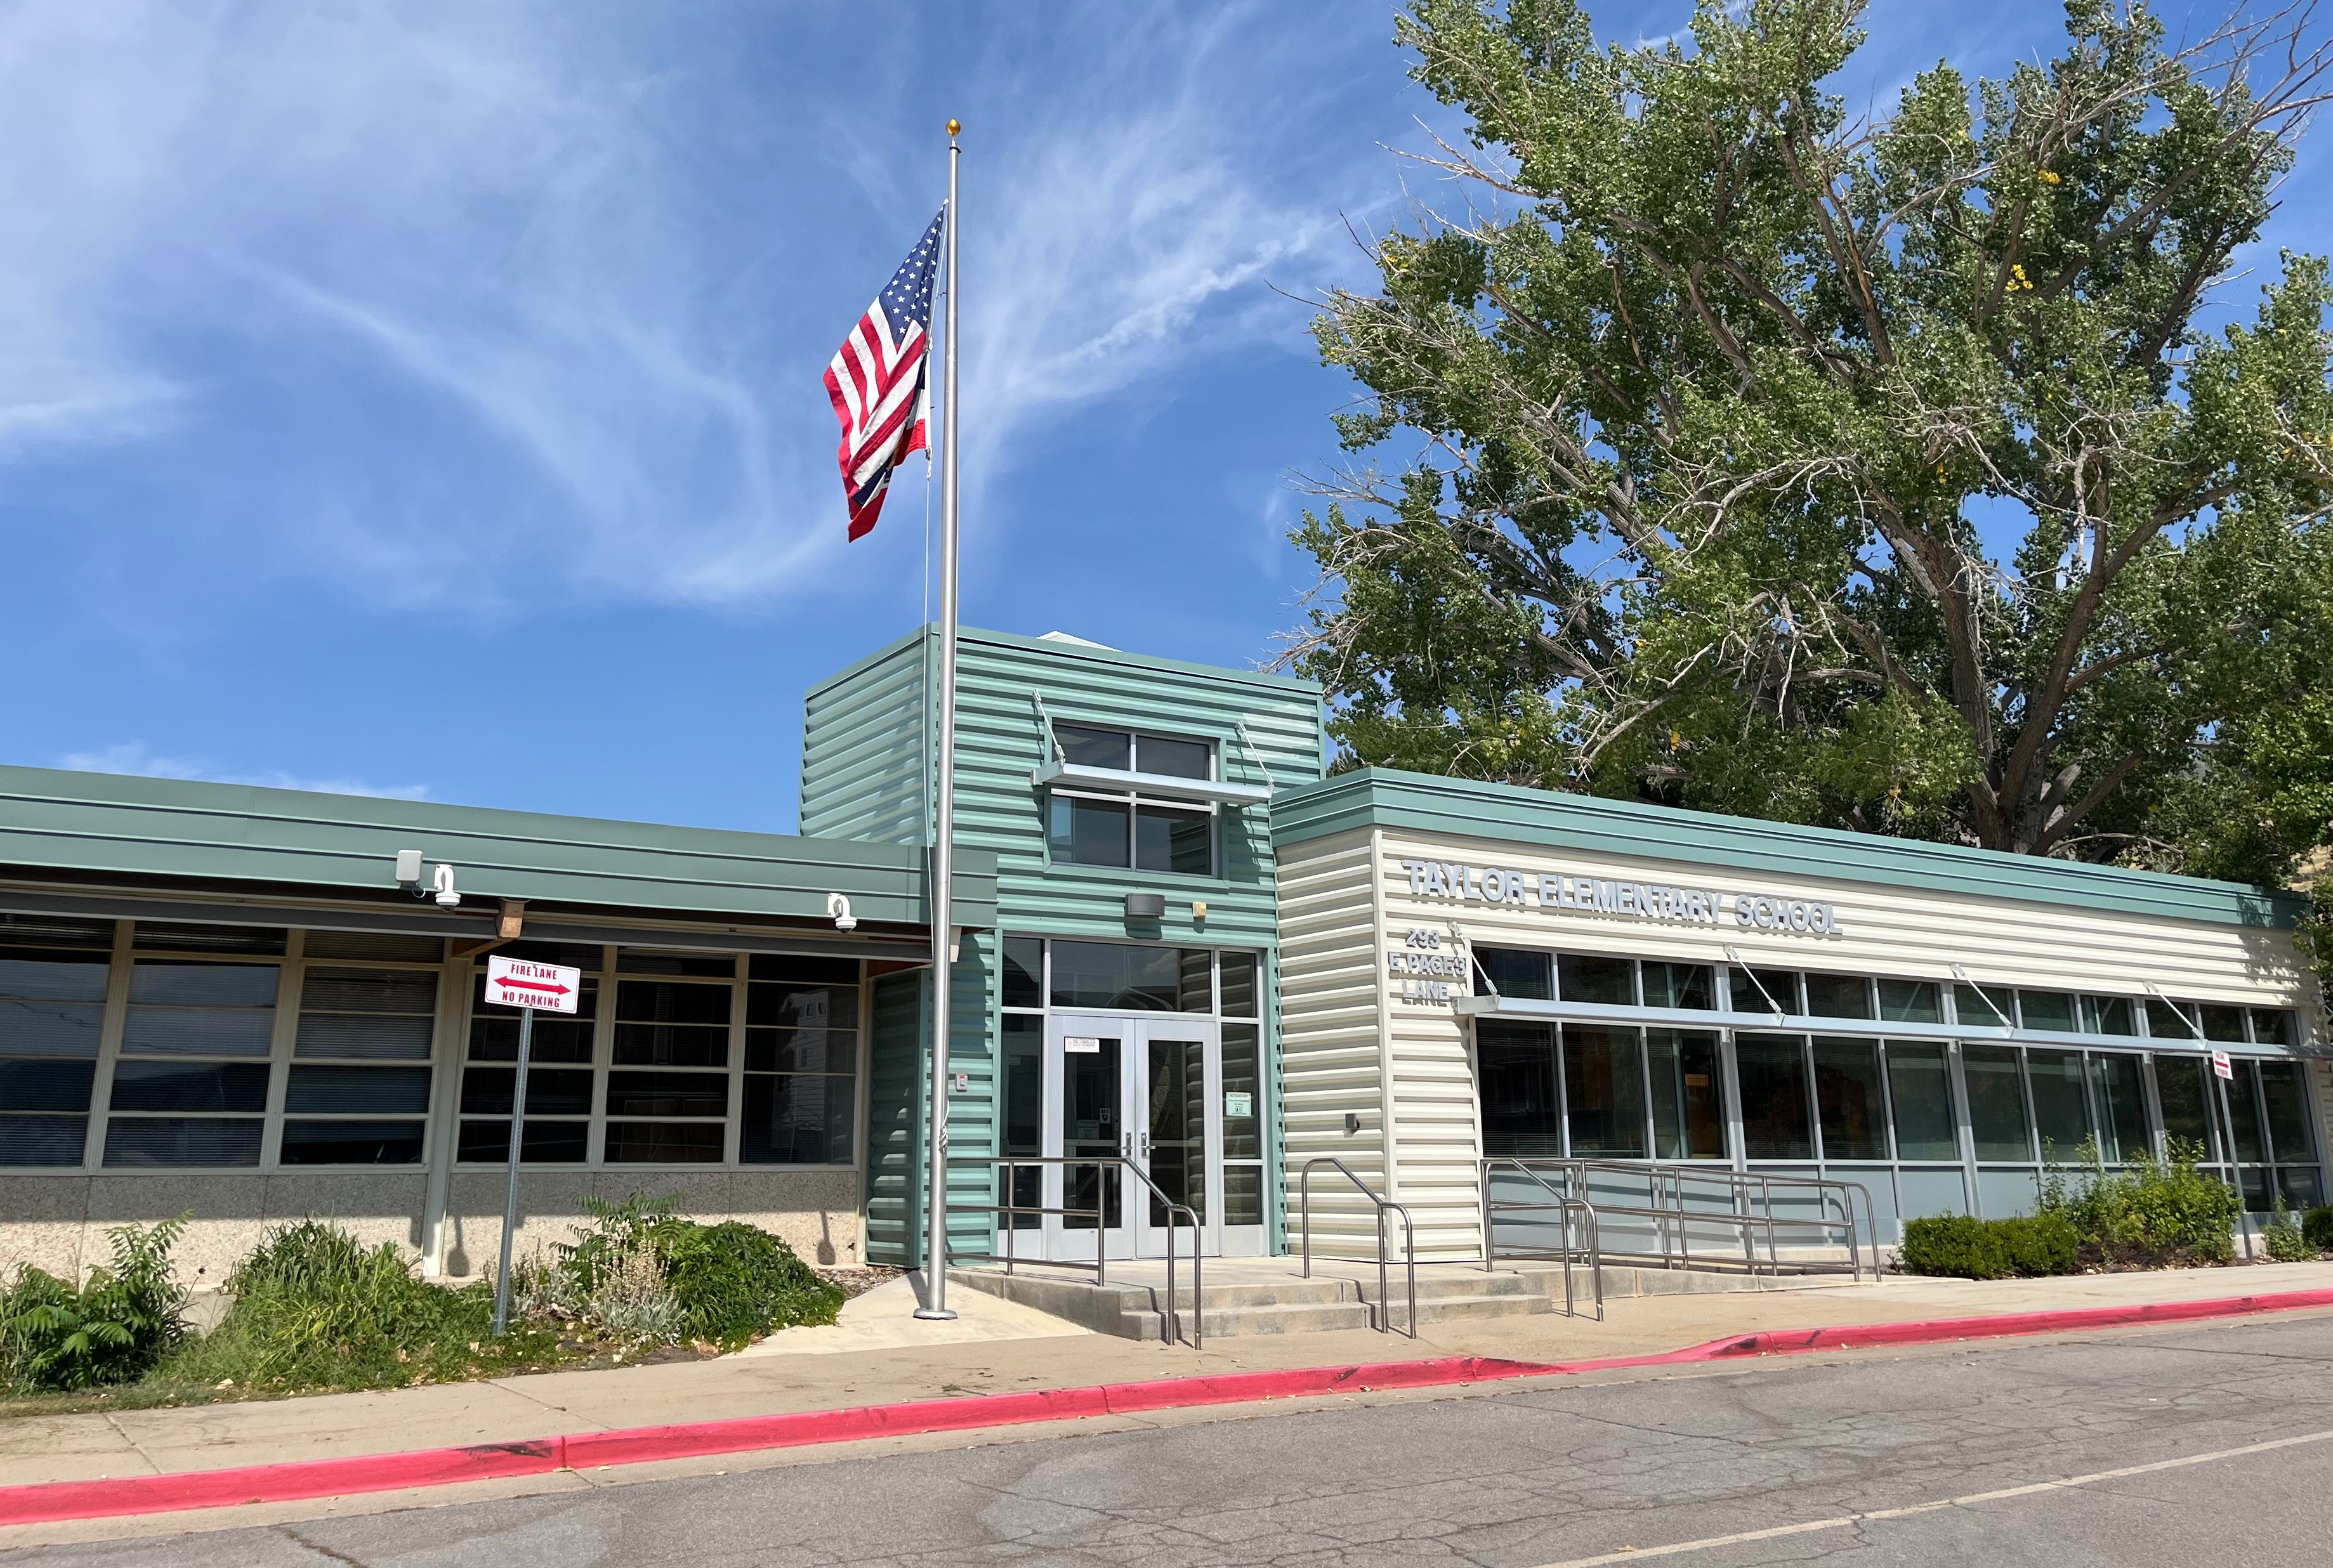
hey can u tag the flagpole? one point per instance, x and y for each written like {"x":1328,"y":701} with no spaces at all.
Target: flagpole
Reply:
{"x":943,"y":793}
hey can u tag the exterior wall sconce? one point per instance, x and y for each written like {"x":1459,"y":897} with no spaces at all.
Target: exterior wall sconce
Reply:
{"x":1146,"y":905}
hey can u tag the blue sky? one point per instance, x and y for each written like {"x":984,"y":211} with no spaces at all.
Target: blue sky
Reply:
{"x":374,"y":373}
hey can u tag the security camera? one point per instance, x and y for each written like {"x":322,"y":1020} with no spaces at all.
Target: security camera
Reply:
{"x":839,"y":907}
{"x":447,"y":897}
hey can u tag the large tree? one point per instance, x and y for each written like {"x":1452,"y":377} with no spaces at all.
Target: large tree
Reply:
{"x":1720,"y":445}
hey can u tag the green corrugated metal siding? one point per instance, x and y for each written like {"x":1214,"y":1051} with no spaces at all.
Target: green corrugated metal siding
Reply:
{"x":894,"y":1141}
{"x":863,"y":744}
{"x":897,"y":1087}
{"x":52,"y":819}
{"x":1462,"y":808}
{"x":857,"y":778}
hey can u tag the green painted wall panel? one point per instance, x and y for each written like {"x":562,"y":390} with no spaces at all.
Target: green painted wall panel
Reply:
{"x":857,"y":780}
{"x":894,"y":1120}
{"x":1460,"y":808}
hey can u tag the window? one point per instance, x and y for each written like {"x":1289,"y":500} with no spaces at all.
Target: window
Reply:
{"x":1587,"y":978}
{"x":2182,"y":1091}
{"x":1522,"y":1110}
{"x":359,"y":1091}
{"x":2061,"y":1115}
{"x":2050,"y":1011}
{"x":2172,"y":1021}
{"x":1516,"y":972}
{"x":2110,"y":1015}
{"x":1919,"y":1084}
{"x":1765,"y":990}
{"x":1996,"y":1103}
{"x":1902,"y":1001}
{"x":1679,"y":985}
{"x":1773,"y":1078}
{"x":53,"y":982}
{"x":1839,"y":996}
{"x":1604,"y":1092}
{"x":1091,"y":828}
{"x":801,"y":1062}
{"x":1123,"y":977}
{"x":668,"y":1073}
{"x":2122,"y":1107}
{"x":190,"y":1084}
{"x":1688,"y":1100}
{"x":1848,"y":1094}
{"x":1988,"y":1007}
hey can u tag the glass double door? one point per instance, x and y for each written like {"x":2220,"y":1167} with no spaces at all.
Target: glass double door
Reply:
{"x":1145,"y":1091}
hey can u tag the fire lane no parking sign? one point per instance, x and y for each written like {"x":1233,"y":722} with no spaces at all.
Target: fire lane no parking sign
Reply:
{"x":516,"y":982}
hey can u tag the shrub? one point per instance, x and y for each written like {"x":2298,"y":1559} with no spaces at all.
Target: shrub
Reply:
{"x":2316,"y":1227}
{"x":2286,"y":1244}
{"x":313,"y":1308}
{"x":643,"y":1274}
{"x":734,"y":1282}
{"x":1956,"y":1245}
{"x":112,"y":1330}
{"x":2153,"y":1214}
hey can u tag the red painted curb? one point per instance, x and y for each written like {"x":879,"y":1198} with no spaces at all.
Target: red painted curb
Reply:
{"x":50,"y":1502}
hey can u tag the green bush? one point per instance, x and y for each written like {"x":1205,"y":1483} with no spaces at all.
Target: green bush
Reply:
{"x":313,"y":1308}
{"x":723,"y":1283}
{"x":112,"y":1330}
{"x":1958,"y":1246}
{"x":2316,"y":1227}
{"x":2153,"y":1214}
{"x":2285,"y":1242}
{"x":734,"y":1282}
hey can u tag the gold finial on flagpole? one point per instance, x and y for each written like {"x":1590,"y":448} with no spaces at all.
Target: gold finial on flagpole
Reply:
{"x":954,"y":126}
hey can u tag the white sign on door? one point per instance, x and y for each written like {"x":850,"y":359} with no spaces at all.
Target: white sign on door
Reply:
{"x":1081,"y":1042}
{"x":517,"y":983}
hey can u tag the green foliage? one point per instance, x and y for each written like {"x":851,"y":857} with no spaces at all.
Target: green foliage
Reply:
{"x":2153,"y":1214}
{"x":734,"y":1282}
{"x":1963,"y":1247}
{"x":1694,"y":393}
{"x":2316,"y":1227}
{"x":314,"y":1308}
{"x":644,"y":1274}
{"x":2286,"y":1244}
{"x":113,"y":1329}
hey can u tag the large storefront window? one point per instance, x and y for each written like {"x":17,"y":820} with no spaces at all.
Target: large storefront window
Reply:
{"x":662,"y":1079}
{"x":1918,"y":1103}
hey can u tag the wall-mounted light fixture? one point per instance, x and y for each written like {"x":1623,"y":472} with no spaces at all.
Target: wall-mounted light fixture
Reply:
{"x":1144,"y":906}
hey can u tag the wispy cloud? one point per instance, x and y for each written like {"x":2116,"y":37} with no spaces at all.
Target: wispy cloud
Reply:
{"x":134,"y":757}
{"x":566,"y":273}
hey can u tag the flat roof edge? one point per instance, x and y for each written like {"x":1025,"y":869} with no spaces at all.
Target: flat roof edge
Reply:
{"x":1479,"y":809}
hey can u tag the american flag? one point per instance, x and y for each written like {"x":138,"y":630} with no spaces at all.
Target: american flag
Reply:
{"x":878,"y":381}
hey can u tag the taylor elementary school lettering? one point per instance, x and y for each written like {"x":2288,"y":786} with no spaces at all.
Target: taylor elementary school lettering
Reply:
{"x":1602,"y":895}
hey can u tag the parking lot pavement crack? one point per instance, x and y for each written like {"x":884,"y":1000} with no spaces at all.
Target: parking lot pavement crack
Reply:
{"x":326,"y":1553}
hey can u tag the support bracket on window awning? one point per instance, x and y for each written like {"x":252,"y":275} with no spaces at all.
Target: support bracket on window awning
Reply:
{"x":1151,"y":786}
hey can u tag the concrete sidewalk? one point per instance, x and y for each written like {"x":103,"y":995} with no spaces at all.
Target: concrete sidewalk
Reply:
{"x":882,"y":1354}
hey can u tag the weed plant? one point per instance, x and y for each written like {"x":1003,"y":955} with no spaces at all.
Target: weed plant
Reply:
{"x":2153,"y":1214}
{"x":645,"y":1276}
{"x":314,"y":1309}
{"x":2286,"y":1244}
{"x":114,"y":1329}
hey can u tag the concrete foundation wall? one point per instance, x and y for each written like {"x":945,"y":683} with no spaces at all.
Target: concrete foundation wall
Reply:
{"x":58,"y":1223}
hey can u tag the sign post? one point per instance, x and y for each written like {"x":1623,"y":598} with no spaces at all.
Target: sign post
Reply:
{"x":515,"y":982}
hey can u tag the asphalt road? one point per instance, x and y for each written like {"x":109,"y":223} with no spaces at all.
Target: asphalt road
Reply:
{"x":2205,"y":1446}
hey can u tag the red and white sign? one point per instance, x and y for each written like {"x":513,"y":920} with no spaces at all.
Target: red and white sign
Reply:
{"x":514,"y":982}
{"x":2222,"y":1065}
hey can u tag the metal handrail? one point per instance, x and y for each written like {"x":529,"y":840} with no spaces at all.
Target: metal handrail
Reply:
{"x":1668,"y":1182}
{"x":1565,"y":1207}
{"x":1008,"y":1164}
{"x":1383,"y":1314}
